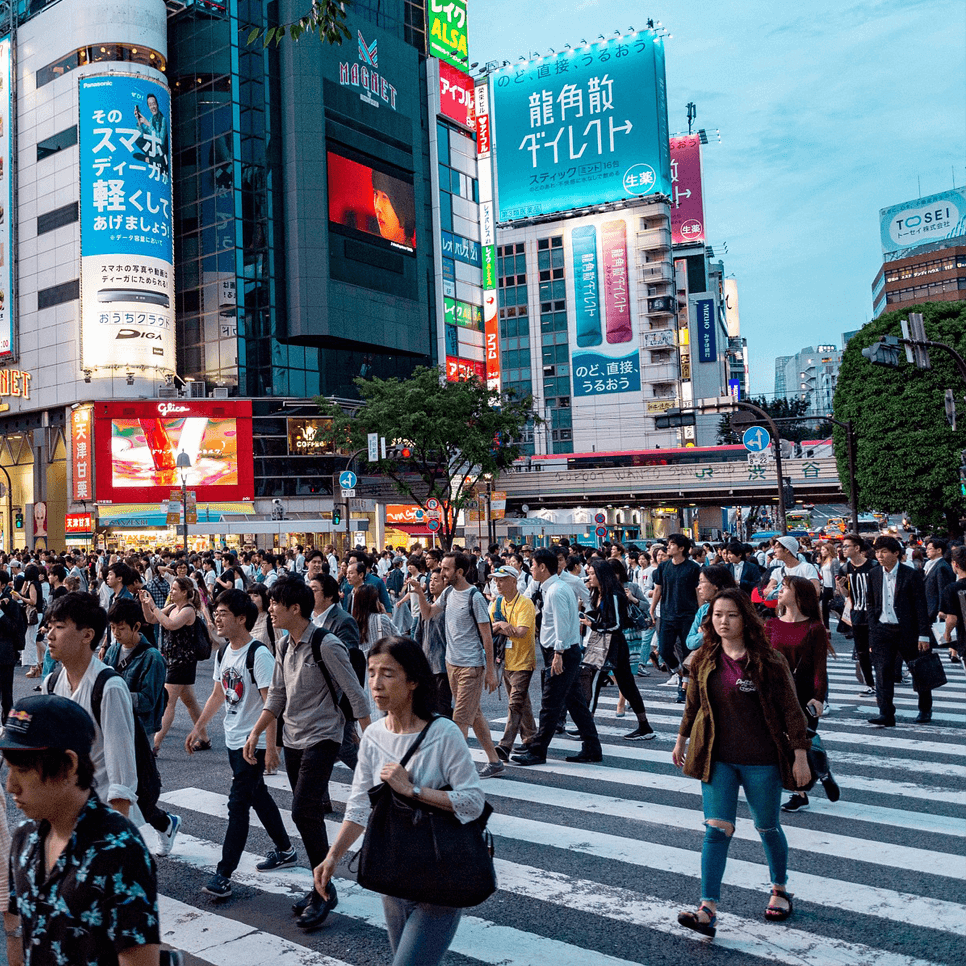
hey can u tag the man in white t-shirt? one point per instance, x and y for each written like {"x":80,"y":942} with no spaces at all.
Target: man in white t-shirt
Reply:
{"x":791,"y":565}
{"x":242,"y":677}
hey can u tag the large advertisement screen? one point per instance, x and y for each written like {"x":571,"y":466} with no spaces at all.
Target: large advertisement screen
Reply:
{"x":6,"y":256}
{"x":584,"y":127}
{"x":687,"y":201}
{"x":144,"y":440}
{"x":924,"y":220}
{"x":370,"y":203}
{"x":126,"y":221}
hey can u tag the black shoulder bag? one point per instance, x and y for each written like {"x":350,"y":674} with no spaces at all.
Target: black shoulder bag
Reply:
{"x":421,"y":853}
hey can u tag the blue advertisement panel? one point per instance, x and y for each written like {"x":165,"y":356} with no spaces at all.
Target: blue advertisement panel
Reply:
{"x":734,"y":388}
{"x":586,"y":293}
{"x":597,"y":375}
{"x":581,"y":127}
{"x":931,"y":219}
{"x":126,"y":222}
{"x":462,"y":249}
{"x":706,"y":324}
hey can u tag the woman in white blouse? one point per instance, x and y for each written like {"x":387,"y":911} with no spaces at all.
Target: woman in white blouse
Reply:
{"x":401,"y":685}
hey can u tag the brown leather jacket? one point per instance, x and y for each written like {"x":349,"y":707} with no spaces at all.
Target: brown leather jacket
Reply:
{"x":779,"y":703}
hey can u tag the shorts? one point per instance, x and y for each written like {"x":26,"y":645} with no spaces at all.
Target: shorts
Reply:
{"x":182,"y":673}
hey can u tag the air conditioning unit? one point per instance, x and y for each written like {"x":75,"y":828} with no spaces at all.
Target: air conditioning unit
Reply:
{"x":219,"y":392}
{"x":197,"y":390}
{"x":168,"y":390}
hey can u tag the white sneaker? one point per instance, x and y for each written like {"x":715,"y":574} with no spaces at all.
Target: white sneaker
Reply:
{"x":166,"y":839}
{"x":673,"y":681}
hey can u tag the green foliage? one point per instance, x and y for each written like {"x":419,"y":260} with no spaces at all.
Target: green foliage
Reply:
{"x":457,"y":432}
{"x":326,"y":20}
{"x":810,"y":428}
{"x":907,"y":456}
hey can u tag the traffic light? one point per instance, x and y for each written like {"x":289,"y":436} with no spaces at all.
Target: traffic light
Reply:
{"x":885,"y":352}
{"x":962,"y":479}
{"x":675,"y":417}
{"x":336,"y":516}
{"x":18,"y":520}
{"x":788,"y":494}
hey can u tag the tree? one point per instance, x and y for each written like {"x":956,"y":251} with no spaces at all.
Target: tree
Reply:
{"x":445,"y":436}
{"x":907,"y":455}
{"x":326,"y":19}
{"x":810,"y":427}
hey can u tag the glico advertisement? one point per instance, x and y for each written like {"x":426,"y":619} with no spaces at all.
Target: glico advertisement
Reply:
{"x":367,"y":202}
{"x":126,"y":222}
{"x":582,"y":127}
{"x":144,"y":440}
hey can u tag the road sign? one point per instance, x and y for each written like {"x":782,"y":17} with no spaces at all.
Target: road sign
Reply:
{"x":432,"y":503}
{"x":433,"y":526}
{"x":601,"y":531}
{"x":347,"y":480}
{"x":434,"y":514}
{"x":755,"y":439}
{"x":373,"y":440}
{"x":600,"y":518}
{"x":348,"y":492}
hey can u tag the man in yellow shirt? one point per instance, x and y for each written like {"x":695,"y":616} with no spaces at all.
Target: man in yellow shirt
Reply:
{"x":515,"y":617}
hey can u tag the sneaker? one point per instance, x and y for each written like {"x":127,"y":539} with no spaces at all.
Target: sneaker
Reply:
{"x":642,"y":672}
{"x":502,"y":753}
{"x":492,"y":768}
{"x":573,"y":732}
{"x":674,"y":681}
{"x":641,"y":733}
{"x":218,"y":886}
{"x":277,"y":859}
{"x":868,"y":691}
{"x":797,"y":803}
{"x":831,"y":787}
{"x":166,"y":839}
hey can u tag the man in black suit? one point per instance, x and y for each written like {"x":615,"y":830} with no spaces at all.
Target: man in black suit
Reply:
{"x":746,"y":572}
{"x":898,"y":616}
{"x":938,"y":575}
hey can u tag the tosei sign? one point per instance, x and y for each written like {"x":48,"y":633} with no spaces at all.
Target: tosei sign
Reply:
{"x":924,"y":220}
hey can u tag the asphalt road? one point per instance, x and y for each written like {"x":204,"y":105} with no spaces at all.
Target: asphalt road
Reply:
{"x":594,"y":861}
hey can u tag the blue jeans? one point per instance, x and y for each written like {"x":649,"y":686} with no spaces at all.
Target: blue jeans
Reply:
{"x":763,"y":789}
{"x":419,"y":933}
{"x":644,"y":651}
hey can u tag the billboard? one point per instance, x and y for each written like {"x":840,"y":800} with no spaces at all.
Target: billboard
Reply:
{"x":369,"y":203}
{"x":456,"y":95}
{"x":126,"y":223}
{"x":82,"y":454}
{"x":687,"y":200}
{"x":457,"y":369}
{"x":732,"y":317}
{"x":482,"y":106}
{"x":447,"y":32}
{"x":6,"y":209}
{"x":307,"y":437}
{"x":584,"y":127}
{"x":924,"y":220}
{"x":462,"y":313}
{"x":144,"y":440}
{"x":706,"y":326}
{"x":602,"y":318}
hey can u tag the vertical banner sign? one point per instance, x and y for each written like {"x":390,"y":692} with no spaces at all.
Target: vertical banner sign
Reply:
{"x":82,"y":454}
{"x":456,"y":95}
{"x":687,"y":199}
{"x":491,"y":333}
{"x":613,"y":240}
{"x":705,"y":321}
{"x":584,"y":127}
{"x":447,"y":32}
{"x":583,"y":240}
{"x":6,"y":208}
{"x":127,"y":244}
{"x":482,"y":104}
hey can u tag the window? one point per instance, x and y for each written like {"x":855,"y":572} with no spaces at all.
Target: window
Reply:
{"x":58,"y":294}
{"x":442,"y":140}
{"x":57,"y":218}
{"x":58,"y":142}
{"x":100,"y":53}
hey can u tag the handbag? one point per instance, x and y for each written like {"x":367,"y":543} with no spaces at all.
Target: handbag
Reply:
{"x":927,"y":672}
{"x":639,"y":619}
{"x":202,"y":639}
{"x":596,"y":648}
{"x":421,"y":853}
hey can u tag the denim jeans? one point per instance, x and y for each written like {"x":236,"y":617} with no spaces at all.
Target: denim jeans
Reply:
{"x":248,"y":791}
{"x":763,"y":789}
{"x":419,"y":933}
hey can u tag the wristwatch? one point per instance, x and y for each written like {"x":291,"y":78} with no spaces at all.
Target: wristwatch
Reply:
{"x":417,"y":791}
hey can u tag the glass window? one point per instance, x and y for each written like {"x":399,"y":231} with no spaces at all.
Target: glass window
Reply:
{"x":543,"y":261}
{"x":559,"y":290}
{"x":442,"y":139}
{"x":446,"y":211}
{"x":557,"y":258}
{"x":59,"y":141}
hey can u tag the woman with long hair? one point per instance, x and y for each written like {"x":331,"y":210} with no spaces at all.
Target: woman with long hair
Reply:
{"x":799,"y":634}
{"x":742,"y":728}
{"x":608,"y":613}
{"x":401,"y":685}
{"x":374,"y":623}
{"x":31,"y":595}
{"x":177,"y":622}
{"x":829,"y":570}
{"x":263,"y":630}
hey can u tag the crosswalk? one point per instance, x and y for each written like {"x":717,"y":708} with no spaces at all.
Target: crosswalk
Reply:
{"x":595,"y":861}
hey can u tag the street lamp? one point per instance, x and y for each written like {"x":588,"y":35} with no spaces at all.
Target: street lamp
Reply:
{"x":183,"y":463}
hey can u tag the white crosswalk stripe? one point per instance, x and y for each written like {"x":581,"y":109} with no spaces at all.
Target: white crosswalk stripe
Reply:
{"x":887,"y":830}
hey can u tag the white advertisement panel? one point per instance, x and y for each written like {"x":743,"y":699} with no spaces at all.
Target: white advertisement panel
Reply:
{"x":6,"y":209}
{"x":127,"y":244}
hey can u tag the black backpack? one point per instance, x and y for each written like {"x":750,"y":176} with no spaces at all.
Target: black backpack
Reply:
{"x":14,"y":622}
{"x":340,"y":697}
{"x":149,"y":779}
{"x":249,"y":657}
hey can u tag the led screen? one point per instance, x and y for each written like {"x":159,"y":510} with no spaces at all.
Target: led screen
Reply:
{"x":369,"y":202}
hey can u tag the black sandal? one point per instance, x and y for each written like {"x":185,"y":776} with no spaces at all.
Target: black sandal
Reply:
{"x":773,"y":914}
{"x":690,"y":920}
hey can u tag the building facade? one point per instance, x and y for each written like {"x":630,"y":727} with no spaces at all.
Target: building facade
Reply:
{"x":810,"y":374}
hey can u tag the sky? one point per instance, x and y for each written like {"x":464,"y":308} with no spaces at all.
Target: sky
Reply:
{"x":827,"y":112}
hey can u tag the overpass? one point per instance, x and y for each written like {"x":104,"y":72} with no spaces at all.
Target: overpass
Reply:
{"x":732,"y":483}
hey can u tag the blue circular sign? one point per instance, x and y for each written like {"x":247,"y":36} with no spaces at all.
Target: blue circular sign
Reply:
{"x":347,"y":479}
{"x":601,"y":531}
{"x":599,"y":518}
{"x":433,"y":526}
{"x":756,"y":439}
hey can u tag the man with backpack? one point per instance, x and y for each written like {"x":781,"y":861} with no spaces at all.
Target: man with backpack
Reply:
{"x":13,"y":638}
{"x":315,"y":686}
{"x":242,"y":675}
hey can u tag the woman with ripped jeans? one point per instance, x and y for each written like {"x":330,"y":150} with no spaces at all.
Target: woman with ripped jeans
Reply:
{"x":742,"y":727}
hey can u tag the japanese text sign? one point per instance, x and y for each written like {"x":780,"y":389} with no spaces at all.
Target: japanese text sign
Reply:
{"x":687,"y":201}
{"x":82,"y":454}
{"x":456,"y":95}
{"x":126,"y":221}
{"x":6,"y":260}
{"x":597,"y":375}
{"x":924,"y":220}
{"x":706,"y":335}
{"x":584,"y":127}
{"x":447,"y":32}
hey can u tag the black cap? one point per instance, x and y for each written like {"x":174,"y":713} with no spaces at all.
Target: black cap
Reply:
{"x":44,"y":721}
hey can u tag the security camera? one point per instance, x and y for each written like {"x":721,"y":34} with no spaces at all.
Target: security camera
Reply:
{"x":277,"y":502}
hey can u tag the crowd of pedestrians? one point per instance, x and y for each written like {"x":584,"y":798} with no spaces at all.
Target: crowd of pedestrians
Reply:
{"x":317,"y":660}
